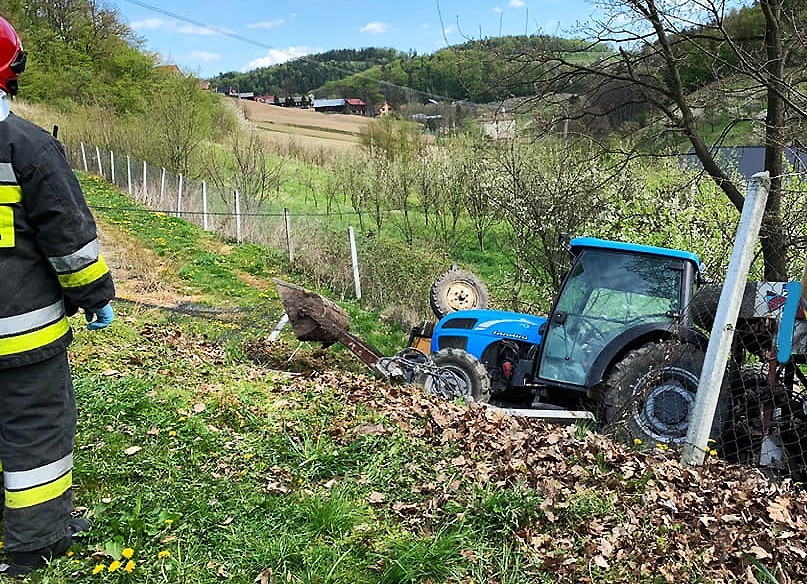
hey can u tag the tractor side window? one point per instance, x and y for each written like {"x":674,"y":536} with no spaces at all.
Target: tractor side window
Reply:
{"x":606,"y":294}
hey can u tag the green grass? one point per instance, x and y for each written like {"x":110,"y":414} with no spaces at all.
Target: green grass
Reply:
{"x":205,"y":466}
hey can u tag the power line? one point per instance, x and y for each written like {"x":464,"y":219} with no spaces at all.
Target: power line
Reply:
{"x":234,"y":35}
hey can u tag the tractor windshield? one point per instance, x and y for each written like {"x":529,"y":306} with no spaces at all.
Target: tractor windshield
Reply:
{"x":606,"y":293}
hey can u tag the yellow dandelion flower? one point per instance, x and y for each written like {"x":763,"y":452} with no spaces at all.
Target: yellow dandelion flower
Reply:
{"x":127,"y":553}
{"x":713,"y":452}
{"x":98,"y":568}
{"x":182,"y":418}
{"x":169,"y":521}
{"x":172,"y":433}
{"x":637,"y":441}
{"x":113,"y":567}
{"x":130,"y":566}
{"x":70,"y":554}
{"x":164,"y":554}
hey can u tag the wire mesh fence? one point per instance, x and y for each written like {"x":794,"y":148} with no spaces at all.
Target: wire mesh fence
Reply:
{"x":761,"y":414}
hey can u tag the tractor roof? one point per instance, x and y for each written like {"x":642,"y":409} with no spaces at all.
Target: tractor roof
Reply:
{"x":578,"y":244}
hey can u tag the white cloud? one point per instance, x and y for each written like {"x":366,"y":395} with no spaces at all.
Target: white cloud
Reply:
{"x":496,"y":9}
{"x":277,"y":56}
{"x":375,"y":27}
{"x":450,"y":29}
{"x":267,"y":24}
{"x":149,"y":24}
{"x":203,"y":56}
{"x":516,"y":4}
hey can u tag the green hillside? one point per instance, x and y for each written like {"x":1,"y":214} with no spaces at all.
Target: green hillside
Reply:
{"x":205,"y":454}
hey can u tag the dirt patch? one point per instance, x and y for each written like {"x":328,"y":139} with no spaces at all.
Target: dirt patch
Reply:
{"x":140,"y":275}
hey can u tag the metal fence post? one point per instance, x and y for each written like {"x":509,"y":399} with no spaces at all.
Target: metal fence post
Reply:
{"x":179,"y":197}
{"x":354,"y":258}
{"x":145,"y":187}
{"x":98,"y":157}
{"x":204,"y":205}
{"x":289,"y":246}
{"x":237,"y":217}
{"x":728,"y":309}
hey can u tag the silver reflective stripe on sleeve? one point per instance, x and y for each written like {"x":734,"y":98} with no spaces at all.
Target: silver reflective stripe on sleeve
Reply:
{"x":25,"y":479}
{"x":7,"y":173}
{"x":77,"y":260}
{"x":14,"y":325}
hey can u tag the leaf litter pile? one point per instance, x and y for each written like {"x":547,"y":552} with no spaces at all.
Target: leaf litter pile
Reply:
{"x":637,"y":514}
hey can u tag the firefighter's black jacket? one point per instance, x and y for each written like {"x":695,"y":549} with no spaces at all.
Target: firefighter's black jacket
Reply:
{"x":49,"y":253}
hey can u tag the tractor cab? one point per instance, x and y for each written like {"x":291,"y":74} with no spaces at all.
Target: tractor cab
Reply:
{"x":615,"y":296}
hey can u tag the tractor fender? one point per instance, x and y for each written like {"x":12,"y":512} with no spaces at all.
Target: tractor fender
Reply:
{"x":636,"y":337}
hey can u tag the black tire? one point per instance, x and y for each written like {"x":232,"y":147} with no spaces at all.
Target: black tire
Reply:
{"x":649,"y":395}
{"x":460,"y":375}
{"x":457,"y":290}
{"x":703,"y":306}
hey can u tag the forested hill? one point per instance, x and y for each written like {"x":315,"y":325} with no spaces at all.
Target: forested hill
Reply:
{"x":479,"y":71}
{"x":304,"y":75}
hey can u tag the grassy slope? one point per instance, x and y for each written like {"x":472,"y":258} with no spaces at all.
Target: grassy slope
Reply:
{"x":231,"y":467}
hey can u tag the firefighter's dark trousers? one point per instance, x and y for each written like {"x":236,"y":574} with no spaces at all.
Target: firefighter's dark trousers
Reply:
{"x":37,"y":430}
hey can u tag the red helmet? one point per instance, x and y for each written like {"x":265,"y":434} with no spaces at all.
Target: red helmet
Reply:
{"x":12,"y":57}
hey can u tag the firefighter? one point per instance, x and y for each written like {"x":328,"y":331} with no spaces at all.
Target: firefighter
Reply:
{"x":50,"y":266}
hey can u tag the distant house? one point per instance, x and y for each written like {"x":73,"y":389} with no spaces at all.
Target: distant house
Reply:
{"x":265,"y":99}
{"x":749,"y":160}
{"x":384,"y":110}
{"x":173,"y":69}
{"x":330,"y":105}
{"x":356,"y":106}
{"x":205,"y":85}
{"x":499,"y":129}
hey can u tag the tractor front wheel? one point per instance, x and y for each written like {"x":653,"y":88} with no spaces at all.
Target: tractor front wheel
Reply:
{"x":650,"y":394}
{"x":460,"y":374}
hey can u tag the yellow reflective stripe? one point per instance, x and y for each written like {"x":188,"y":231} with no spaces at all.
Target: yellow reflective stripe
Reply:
{"x":35,"y":339}
{"x":86,"y":276}
{"x":40,"y":494}
{"x":10,"y":194}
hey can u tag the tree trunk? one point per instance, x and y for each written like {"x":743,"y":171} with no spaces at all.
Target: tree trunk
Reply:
{"x":772,"y":236}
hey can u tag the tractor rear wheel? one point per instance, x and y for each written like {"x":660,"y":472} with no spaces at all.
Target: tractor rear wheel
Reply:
{"x":460,"y":374}
{"x":457,"y":290}
{"x":650,"y":394}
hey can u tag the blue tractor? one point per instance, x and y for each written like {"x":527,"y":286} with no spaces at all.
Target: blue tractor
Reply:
{"x":624,"y":343}
{"x":621,"y":313}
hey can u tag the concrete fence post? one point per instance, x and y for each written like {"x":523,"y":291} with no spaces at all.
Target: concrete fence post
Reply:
{"x":129,"y":173}
{"x":84,"y":157}
{"x":145,"y":186}
{"x":204,"y":206}
{"x":98,"y":158}
{"x":289,"y":246}
{"x":237,"y":217}
{"x":354,"y":258}
{"x":179,"y":197}
{"x":162,"y":188}
{"x":728,"y":309}
{"x":112,"y":166}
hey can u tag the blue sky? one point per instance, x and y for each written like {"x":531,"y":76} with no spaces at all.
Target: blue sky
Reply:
{"x":274,"y":32}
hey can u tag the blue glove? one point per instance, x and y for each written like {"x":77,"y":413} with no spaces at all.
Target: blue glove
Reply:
{"x":98,"y":318}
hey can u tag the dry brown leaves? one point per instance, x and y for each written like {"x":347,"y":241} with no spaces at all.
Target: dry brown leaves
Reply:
{"x":666,"y":518}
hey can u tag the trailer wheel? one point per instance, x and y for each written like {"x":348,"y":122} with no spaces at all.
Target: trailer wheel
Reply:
{"x":457,"y":290}
{"x":650,"y":394}
{"x":460,"y":374}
